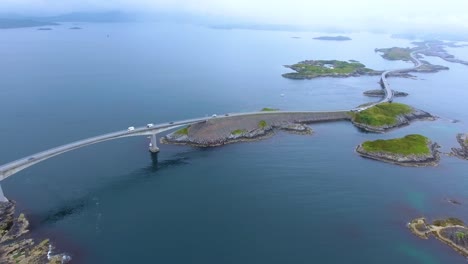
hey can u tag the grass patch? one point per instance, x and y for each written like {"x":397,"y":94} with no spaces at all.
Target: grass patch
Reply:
{"x":381,"y":114}
{"x":460,"y":235}
{"x":410,"y":144}
{"x":268,"y":109}
{"x":182,"y":131}
{"x":449,"y":221}
{"x":396,"y":53}
{"x":262,"y":124}
{"x":239,"y":132}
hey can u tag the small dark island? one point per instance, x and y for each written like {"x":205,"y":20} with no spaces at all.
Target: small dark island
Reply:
{"x":451,"y":231}
{"x":334,"y":38}
{"x":411,"y":150}
{"x":310,"y":69}
{"x":461,"y":152}
{"x":75,"y":28}
{"x":385,"y":116}
{"x":45,"y":29}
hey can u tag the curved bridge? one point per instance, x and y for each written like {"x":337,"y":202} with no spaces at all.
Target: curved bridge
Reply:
{"x":13,"y":167}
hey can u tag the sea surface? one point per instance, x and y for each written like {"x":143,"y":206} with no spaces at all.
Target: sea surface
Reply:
{"x":286,"y":199}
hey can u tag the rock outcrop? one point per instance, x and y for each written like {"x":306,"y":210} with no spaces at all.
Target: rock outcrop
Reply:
{"x":16,"y":246}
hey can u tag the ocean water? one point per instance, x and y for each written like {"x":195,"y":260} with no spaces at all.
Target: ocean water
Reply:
{"x":287,"y":199}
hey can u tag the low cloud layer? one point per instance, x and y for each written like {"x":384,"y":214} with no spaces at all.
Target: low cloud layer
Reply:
{"x":371,"y":14}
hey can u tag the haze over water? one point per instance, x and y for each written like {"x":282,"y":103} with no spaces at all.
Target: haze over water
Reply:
{"x":287,"y":199}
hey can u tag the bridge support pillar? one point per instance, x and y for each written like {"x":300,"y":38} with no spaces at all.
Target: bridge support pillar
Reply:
{"x":2,"y":196}
{"x":153,"y":146}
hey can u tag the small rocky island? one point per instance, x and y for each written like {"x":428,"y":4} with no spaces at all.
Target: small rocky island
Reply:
{"x":16,"y":245}
{"x":461,"y":152}
{"x":334,"y":38}
{"x":230,"y":129}
{"x":385,"y":116}
{"x":310,"y":69}
{"x":411,"y":150}
{"x":451,"y":231}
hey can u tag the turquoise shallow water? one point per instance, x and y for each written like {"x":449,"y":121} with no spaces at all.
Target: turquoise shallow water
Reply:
{"x":287,"y":199}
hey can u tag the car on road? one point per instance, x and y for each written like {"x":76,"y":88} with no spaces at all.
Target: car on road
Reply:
{"x":171,"y":123}
{"x":31,"y":158}
{"x":131,"y":128}
{"x":226,"y":114}
{"x":214,"y":115}
{"x":149,"y":125}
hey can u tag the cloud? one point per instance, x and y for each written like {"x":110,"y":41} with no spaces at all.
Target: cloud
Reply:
{"x":356,"y":13}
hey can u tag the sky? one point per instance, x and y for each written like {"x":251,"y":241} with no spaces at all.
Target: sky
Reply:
{"x":448,"y":14}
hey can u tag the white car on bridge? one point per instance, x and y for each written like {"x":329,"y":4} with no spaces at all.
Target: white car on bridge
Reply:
{"x":131,"y":128}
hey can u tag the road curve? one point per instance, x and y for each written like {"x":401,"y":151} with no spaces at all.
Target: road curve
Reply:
{"x":13,"y":167}
{"x":386,"y":86}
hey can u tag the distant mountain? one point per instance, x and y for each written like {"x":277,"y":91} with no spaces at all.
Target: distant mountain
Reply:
{"x":17,"y":21}
{"x":20,"y":23}
{"x":102,"y":17}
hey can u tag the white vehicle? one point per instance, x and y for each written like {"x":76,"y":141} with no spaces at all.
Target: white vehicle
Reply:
{"x":149,"y":125}
{"x":214,"y":115}
{"x":131,"y":128}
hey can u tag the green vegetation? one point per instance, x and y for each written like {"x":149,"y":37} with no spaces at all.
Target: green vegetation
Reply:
{"x":317,"y":68}
{"x":410,"y":144}
{"x":268,"y":109}
{"x":449,"y":221}
{"x":381,"y":114}
{"x":182,"y":131}
{"x":460,"y":235}
{"x":239,"y":132}
{"x":262,"y":124}
{"x":396,"y":53}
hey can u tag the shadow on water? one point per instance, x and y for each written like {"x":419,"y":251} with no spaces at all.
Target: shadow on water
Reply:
{"x":76,"y":206}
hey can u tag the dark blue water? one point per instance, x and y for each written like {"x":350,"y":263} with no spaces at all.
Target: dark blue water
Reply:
{"x":287,"y":199}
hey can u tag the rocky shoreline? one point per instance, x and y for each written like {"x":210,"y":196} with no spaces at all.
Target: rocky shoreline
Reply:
{"x":244,"y":136}
{"x":16,"y":245}
{"x":420,"y":160}
{"x":462,"y":152}
{"x":402,"y":120}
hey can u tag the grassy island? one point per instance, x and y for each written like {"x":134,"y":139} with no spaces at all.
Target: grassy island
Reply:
{"x":451,"y":231}
{"x":411,"y":150}
{"x":408,"y":145}
{"x":262,"y":124}
{"x":327,"y":68}
{"x":396,"y":53}
{"x":382,"y":114}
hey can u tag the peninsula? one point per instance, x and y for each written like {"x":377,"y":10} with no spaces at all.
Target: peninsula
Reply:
{"x":334,"y":38}
{"x":461,"y":152}
{"x":385,"y":116}
{"x":310,"y":69}
{"x":411,"y":150}
{"x":451,"y":231}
